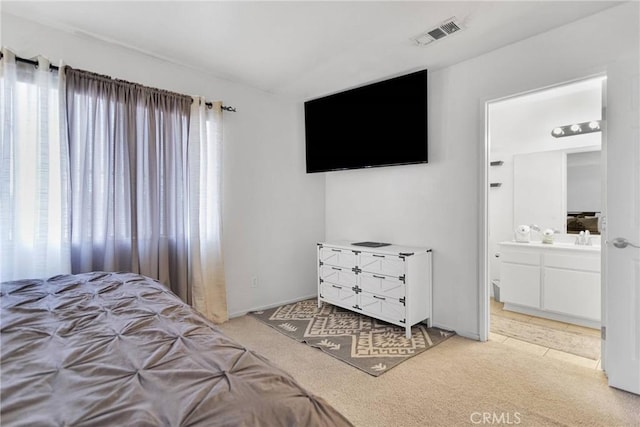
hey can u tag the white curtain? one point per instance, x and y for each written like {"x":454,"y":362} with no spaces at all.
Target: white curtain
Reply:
{"x":34,"y":172}
{"x":206,"y":268}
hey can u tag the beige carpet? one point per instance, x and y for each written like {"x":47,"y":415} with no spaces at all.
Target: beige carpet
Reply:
{"x":452,"y":384}
{"x":361,"y":341}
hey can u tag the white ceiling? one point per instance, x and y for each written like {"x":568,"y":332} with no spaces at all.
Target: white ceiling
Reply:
{"x":303,"y":49}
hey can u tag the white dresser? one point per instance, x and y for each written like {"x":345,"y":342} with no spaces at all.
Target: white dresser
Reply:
{"x":391,"y":283}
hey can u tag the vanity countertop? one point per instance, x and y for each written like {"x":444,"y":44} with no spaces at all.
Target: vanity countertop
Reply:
{"x":555,"y":246}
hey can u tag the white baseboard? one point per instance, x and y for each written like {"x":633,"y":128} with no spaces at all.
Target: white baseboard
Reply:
{"x":268,"y":306}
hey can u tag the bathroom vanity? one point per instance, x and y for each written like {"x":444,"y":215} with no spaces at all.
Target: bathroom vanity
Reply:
{"x":559,"y":281}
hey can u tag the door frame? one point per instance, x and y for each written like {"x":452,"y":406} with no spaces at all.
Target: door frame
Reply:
{"x":483,"y":292}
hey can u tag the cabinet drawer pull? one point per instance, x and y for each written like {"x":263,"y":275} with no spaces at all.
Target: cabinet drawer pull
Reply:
{"x":336,"y":286}
{"x":336,"y":268}
{"x":377,"y":297}
{"x":336,"y":250}
{"x":378,"y":277}
{"x":379,"y":256}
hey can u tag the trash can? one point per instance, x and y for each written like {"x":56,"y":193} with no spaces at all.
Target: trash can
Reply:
{"x":496,"y":289}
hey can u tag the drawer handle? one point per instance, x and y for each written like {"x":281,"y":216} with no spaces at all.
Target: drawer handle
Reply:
{"x":336,"y":286}
{"x":379,"y":256}
{"x":378,"y":277}
{"x":336,"y":250}
{"x":377,"y":297}
{"x":336,"y":268}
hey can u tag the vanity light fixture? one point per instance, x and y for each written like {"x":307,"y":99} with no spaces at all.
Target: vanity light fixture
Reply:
{"x":577,"y":128}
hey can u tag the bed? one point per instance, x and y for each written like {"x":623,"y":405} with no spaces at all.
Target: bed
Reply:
{"x":120,"y":349}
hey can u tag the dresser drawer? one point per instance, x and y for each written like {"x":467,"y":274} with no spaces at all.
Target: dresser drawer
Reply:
{"x":384,"y":286}
{"x":387,"y":265}
{"x":338,"y":275}
{"x":382,"y":308}
{"x":338,"y":257}
{"x":338,"y":295}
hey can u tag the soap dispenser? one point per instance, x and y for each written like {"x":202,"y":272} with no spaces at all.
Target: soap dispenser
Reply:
{"x":523,"y":234}
{"x":547,"y":236}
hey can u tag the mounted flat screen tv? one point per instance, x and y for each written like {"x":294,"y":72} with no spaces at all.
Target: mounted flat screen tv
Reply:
{"x":380,"y":124}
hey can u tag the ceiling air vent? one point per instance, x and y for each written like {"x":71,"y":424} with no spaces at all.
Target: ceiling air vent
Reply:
{"x":443,"y":30}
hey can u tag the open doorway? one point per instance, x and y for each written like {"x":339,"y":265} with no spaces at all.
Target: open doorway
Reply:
{"x":545,"y":200}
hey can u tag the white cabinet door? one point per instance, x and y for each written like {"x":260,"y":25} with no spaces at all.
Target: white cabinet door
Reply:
{"x":388,"y":265}
{"x":572,"y":292}
{"x":520,"y":284}
{"x":338,"y":257}
{"x":385,"y":286}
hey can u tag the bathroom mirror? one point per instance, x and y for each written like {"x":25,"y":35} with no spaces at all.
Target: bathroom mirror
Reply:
{"x":584,"y":192}
{"x":558,"y":189}
{"x":539,"y":190}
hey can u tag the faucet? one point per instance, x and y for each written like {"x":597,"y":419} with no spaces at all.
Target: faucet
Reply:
{"x":584,"y":238}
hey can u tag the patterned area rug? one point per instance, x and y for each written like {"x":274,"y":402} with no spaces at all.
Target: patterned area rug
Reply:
{"x":567,"y":341}
{"x":368,"y":344}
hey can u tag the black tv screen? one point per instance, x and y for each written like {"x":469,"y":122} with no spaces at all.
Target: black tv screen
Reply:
{"x":380,"y":124}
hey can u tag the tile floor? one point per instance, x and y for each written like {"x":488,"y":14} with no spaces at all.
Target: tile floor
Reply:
{"x":496,"y":310}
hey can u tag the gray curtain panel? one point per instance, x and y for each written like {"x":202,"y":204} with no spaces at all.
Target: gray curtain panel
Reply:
{"x":129,"y":178}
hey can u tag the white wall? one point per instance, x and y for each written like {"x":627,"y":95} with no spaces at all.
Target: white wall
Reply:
{"x":523,"y":124}
{"x":440,"y":204}
{"x":273,"y":211}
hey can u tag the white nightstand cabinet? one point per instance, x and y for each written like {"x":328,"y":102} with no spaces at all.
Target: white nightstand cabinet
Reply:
{"x":390,"y":283}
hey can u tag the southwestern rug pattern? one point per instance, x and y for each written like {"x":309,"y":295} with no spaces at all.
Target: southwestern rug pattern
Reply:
{"x":368,"y":344}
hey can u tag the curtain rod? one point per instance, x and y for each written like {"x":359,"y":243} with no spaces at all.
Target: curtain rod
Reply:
{"x":55,"y":68}
{"x":31,"y":61}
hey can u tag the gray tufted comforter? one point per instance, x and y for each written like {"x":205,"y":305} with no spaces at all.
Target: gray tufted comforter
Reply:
{"x":119,"y":349}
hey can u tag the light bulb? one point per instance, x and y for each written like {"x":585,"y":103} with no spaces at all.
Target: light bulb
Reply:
{"x":594,"y":125}
{"x":576,"y":128}
{"x":558,"y":131}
